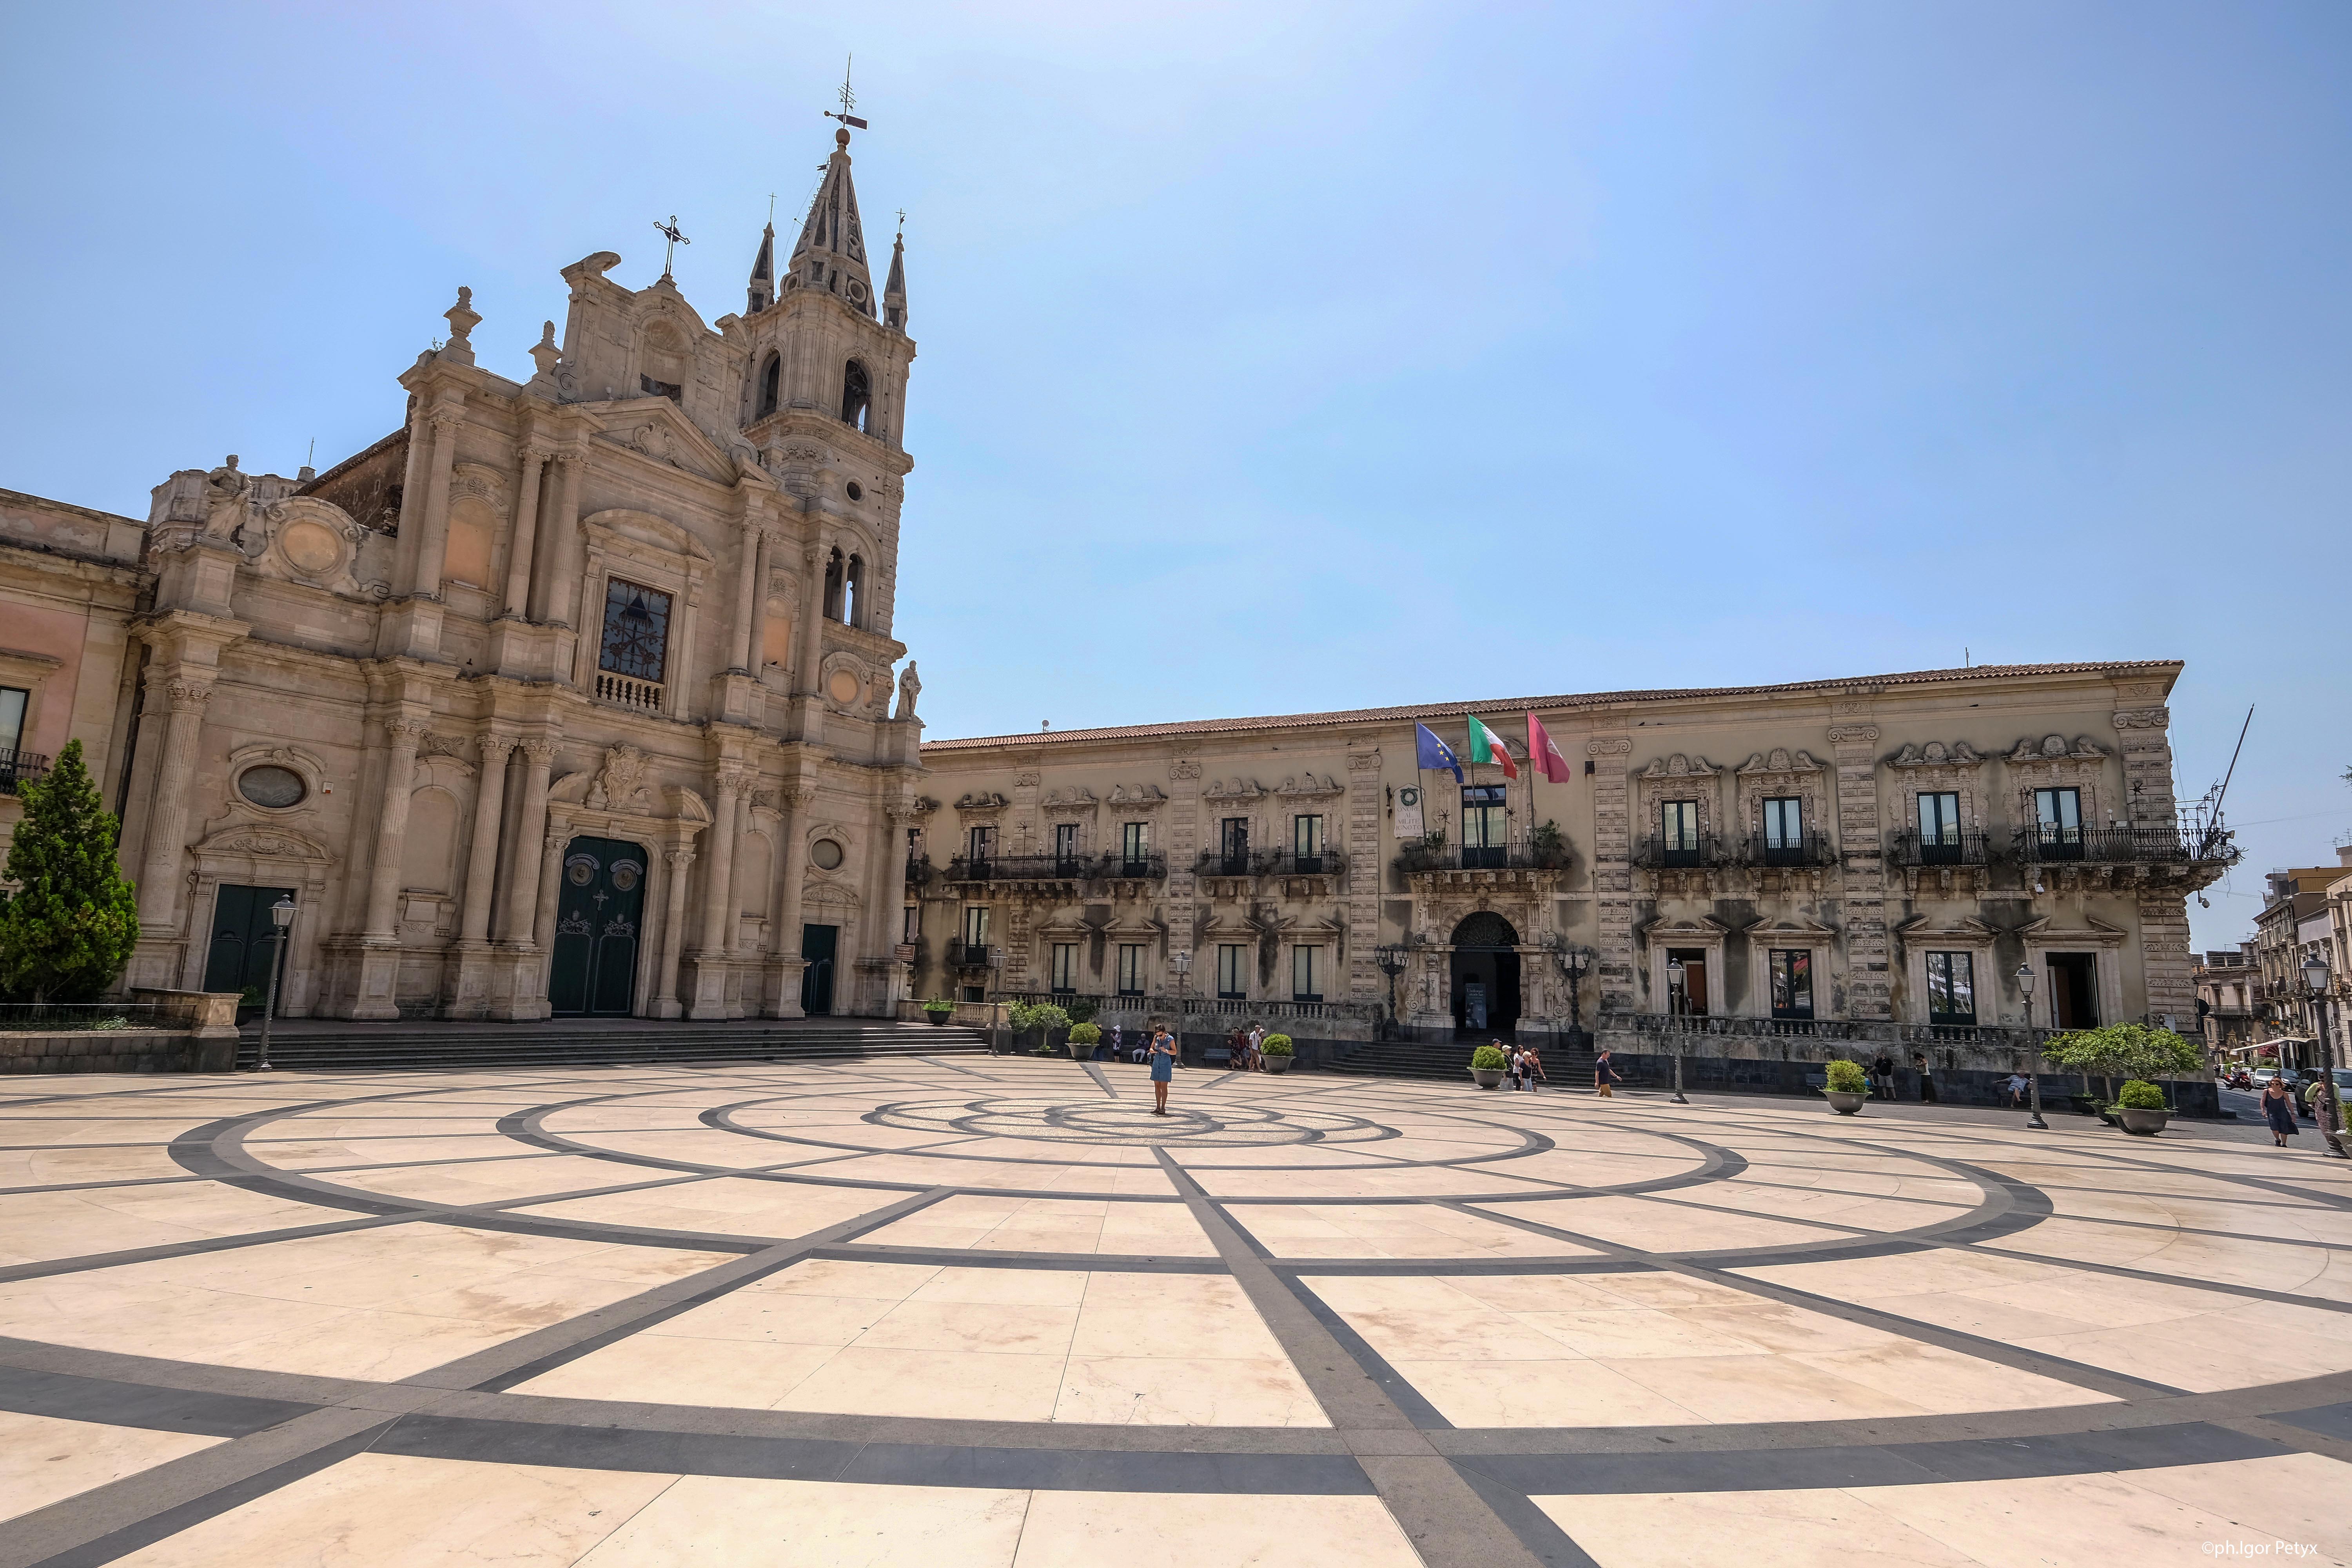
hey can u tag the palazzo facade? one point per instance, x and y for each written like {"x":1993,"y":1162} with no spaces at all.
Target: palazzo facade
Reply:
{"x":572,"y":695}
{"x":1869,"y":858}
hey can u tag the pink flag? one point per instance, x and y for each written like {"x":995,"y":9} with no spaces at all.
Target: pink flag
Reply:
{"x":1544,"y":752}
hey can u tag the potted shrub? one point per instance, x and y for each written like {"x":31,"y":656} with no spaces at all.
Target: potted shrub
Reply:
{"x":1486,"y":1065}
{"x":2141,"y":1109}
{"x":2130,"y":1051}
{"x":1276,"y":1051}
{"x":1847,"y":1085}
{"x":1041,"y":1026}
{"x":1084,"y":1039}
{"x":937,"y":1010}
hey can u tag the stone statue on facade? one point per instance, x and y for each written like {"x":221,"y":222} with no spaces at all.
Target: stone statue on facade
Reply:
{"x":225,"y":504}
{"x":910,"y":685}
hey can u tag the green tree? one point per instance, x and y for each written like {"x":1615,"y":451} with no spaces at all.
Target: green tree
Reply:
{"x":2128,"y":1051}
{"x":69,"y":927}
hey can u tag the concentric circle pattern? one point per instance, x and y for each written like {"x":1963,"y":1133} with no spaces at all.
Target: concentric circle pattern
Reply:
{"x":969,"y":1309}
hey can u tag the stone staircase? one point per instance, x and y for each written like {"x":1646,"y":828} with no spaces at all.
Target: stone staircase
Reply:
{"x":315,"y":1044}
{"x":1449,"y":1060}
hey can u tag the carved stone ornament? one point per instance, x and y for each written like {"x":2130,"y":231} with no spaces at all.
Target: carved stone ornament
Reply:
{"x":1025,"y":781}
{"x":433,"y":745}
{"x":1680,"y":767}
{"x":2053,"y":748}
{"x":1078,"y":797}
{"x":1781,"y":760}
{"x":1184,"y":768}
{"x":1234,"y":789}
{"x":621,"y":785}
{"x":190,"y":695}
{"x":1936,"y":754}
{"x":1609,"y":746}
{"x":2144,"y":718}
{"x":1842,"y":734}
{"x":982,"y":800}
{"x":1307,"y":785}
{"x":1138,"y":797}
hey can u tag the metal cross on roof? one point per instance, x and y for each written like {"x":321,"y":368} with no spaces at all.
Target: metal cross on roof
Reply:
{"x":670,"y":233}
{"x":848,"y":100}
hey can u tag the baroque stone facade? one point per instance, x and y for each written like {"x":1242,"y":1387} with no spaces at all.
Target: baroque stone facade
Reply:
{"x":1870,"y":857}
{"x":572,"y":694}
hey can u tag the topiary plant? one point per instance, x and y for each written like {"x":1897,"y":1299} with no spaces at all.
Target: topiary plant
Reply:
{"x":1847,"y":1078}
{"x":1487,"y":1058}
{"x":1275,"y":1046}
{"x":1026,"y":1015}
{"x":2140,"y":1095}
{"x":938,"y":1004}
{"x":69,"y":927}
{"x":1086,"y":1033}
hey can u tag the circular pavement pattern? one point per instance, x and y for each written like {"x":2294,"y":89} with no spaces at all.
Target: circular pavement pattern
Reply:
{"x":955,"y":1309}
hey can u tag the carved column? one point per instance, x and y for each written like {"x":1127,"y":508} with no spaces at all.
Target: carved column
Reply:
{"x":718,"y":893}
{"x":665,"y":1002}
{"x":747,"y":596}
{"x":158,"y":875}
{"x":530,"y":828}
{"x":785,"y":943}
{"x":391,"y":824}
{"x":432,"y":544}
{"x":812,"y":627}
{"x":557,"y":563}
{"x":1868,"y":992}
{"x":482,"y":858}
{"x":526,"y":529}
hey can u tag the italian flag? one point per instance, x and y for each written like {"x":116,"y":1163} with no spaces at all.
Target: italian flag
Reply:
{"x":1485,"y":748}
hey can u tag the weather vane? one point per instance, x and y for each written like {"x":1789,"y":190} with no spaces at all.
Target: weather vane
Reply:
{"x":669,"y":232}
{"x":848,"y":100}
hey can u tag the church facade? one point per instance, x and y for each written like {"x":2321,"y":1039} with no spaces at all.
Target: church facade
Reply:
{"x":572,"y":696}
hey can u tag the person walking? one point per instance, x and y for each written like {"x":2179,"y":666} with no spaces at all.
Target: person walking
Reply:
{"x":1926,"y":1077}
{"x":1256,"y":1048}
{"x":2278,"y":1109}
{"x":1881,"y":1076}
{"x":1603,"y":1075}
{"x":1511,"y":1062}
{"x":1531,"y":1068}
{"x":1163,"y":1070}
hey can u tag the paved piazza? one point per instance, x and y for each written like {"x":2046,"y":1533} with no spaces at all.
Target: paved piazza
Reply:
{"x":965,"y":1310}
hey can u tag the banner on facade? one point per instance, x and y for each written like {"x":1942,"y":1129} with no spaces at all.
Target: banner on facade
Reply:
{"x":1408,"y":812}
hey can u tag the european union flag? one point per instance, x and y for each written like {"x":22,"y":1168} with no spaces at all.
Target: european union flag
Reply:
{"x":1432,"y":753}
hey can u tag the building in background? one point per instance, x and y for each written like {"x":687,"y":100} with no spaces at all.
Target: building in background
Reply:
{"x":2228,"y":984}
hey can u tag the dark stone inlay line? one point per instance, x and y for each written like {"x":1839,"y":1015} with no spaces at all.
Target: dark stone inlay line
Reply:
{"x":1063,"y":1262}
{"x":90,"y":1260}
{"x":111,"y":1403}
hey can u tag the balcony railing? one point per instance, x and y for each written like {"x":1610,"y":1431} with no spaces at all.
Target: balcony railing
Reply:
{"x":1227,"y":863}
{"x":19,"y":768}
{"x":963,"y":954}
{"x":628,"y":691}
{"x":1272,"y":863}
{"x":1995,"y":1036}
{"x":2157,"y":846}
{"x":1909,"y":846}
{"x":1808,"y":848}
{"x":919,"y":870}
{"x":1700,"y":852}
{"x":1425,"y":857}
{"x":1053,"y":867}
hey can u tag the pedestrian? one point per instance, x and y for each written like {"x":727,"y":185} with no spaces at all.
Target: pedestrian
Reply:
{"x":2016,"y":1085}
{"x":1926,"y":1077}
{"x":2278,"y":1109}
{"x":1163,"y":1070}
{"x":1603,"y":1075}
{"x":1256,"y":1048}
{"x":1237,"y":1047}
{"x":1531,"y":1068}
{"x":1881,"y":1076}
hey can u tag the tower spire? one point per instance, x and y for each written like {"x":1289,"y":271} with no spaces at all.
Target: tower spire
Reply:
{"x":831,"y":251}
{"x":763,"y":293}
{"x":894,"y":291}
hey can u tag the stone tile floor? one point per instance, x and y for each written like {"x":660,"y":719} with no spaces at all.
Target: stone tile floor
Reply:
{"x":948,"y":1311}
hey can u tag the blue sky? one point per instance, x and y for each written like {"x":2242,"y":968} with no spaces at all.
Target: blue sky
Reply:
{"x":1282,"y":357}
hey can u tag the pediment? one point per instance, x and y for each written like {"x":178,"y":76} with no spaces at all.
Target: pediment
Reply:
{"x":1679,"y":767}
{"x":2093,"y":932}
{"x":1790,"y":928}
{"x":646,"y":528}
{"x":655,"y":428}
{"x":1965,"y":931}
{"x":1781,"y":760}
{"x":267,"y":841}
{"x":1697,"y":928}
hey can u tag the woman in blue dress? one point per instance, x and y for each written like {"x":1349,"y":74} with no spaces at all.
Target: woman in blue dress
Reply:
{"x":1163,"y":1070}
{"x":2278,"y":1109}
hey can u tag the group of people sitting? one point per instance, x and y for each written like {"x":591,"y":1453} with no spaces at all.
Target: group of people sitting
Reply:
{"x":1243,"y":1045}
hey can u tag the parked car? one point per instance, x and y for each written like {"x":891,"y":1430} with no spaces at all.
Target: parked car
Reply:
{"x":2261,"y":1078}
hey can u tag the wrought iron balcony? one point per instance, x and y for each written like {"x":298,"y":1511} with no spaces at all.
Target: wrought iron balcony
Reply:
{"x":1290,"y":863}
{"x":1426,"y":857}
{"x":19,"y":768}
{"x":2158,"y":846}
{"x":919,"y":870}
{"x":1811,"y":849}
{"x":963,"y":954}
{"x":1908,"y":848}
{"x":1053,"y":867}
{"x":1693,"y":852}
{"x":1228,"y":863}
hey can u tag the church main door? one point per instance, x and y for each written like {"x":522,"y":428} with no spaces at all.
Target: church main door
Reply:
{"x":1486,"y":974}
{"x":599,"y":917}
{"x":242,"y":944}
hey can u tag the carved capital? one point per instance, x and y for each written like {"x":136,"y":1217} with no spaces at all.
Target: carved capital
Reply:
{"x":404,"y":732}
{"x":733,"y":777}
{"x":679,"y":858}
{"x":1609,"y":746}
{"x":494,"y":745}
{"x":1841,"y":733}
{"x":190,"y":695}
{"x":444,"y":422}
{"x":540,"y":752}
{"x":2144,"y":718}
{"x":537,"y":454}
{"x":1184,"y":768}
{"x":795,"y":796}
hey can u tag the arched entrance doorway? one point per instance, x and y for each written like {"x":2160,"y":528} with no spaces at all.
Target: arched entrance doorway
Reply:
{"x":1485,"y":974}
{"x":599,"y":919}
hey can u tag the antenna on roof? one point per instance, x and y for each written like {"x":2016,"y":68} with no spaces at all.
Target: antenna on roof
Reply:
{"x":848,"y":100}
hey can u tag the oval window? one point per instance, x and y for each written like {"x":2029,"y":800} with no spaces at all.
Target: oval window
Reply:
{"x":625,"y":873}
{"x":826,"y":854}
{"x":272,"y":786}
{"x":856,"y":492}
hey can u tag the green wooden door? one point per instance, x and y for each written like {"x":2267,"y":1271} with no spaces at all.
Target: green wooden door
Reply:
{"x":599,"y":917}
{"x":239,"y":959}
{"x":817,"y":945}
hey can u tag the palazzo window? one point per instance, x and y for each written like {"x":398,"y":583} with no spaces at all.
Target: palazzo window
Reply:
{"x":1232,"y":971}
{"x":1135,"y":847}
{"x":1307,"y":842}
{"x":2058,"y":818}
{"x":1486,"y":826}
{"x":1939,"y":827}
{"x":980,"y":843}
{"x":1232,"y":847}
{"x":1784,"y":830}
{"x":1678,"y":832}
{"x":1066,"y":968}
{"x":634,"y":659}
{"x":1131,"y":969}
{"x":1793,"y":981}
{"x":1951,"y":988}
{"x":1306,"y":974}
{"x":1065,"y":849}
{"x":12,"y":719}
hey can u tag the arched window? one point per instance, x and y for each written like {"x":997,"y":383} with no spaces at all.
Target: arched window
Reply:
{"x":772,"y":375}
{"x":853,"y":603}
{"x":856,"y":394}
{"x":833,"y":585}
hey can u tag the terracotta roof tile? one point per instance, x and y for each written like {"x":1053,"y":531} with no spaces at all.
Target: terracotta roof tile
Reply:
{"x":1547,"y":704}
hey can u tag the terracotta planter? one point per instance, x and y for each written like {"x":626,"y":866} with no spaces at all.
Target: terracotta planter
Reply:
{"x":2143,"y":1123}
{"x":1845,"y":1101}
{"x":1276,"y":1064}
{"x":1487,"y":1077}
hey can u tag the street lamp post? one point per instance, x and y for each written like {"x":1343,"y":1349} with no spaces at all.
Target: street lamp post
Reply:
{"x":1678,"y":1001}
{"x":2331,"y":1109}
{"x":282,"y":917}
{"x":995,"y":990}
{"x":1391,"y":959}
{"x":2033,"y":1048}
{"x":1575,"y":963}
